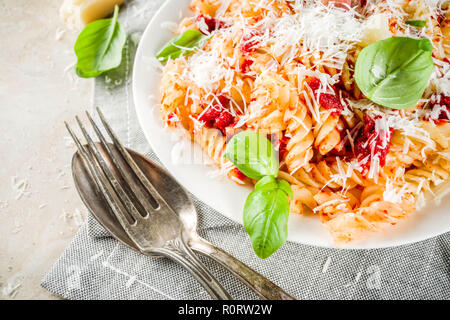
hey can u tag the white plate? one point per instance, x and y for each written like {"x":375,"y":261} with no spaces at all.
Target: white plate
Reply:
{"x":223,"y":195}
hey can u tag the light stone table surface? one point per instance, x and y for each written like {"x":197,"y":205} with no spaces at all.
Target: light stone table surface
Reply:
{"x":40,"y":210}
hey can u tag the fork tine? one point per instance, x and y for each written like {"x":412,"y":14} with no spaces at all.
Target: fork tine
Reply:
{"x":110,"y":197}
{"x":121,"y":194}
{"x":139,"y":191}
{"x":140,"y":175}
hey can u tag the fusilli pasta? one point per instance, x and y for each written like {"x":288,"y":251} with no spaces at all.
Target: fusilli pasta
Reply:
{"x":286,"y":69}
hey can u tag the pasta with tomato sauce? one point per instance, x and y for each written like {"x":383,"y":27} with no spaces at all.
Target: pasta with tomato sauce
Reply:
{"x":286,"y":69}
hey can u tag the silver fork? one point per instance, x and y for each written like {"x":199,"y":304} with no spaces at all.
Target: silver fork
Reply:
{"x":145,"y":216}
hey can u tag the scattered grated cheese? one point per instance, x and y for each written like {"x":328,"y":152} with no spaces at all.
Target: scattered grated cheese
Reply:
{"x":21,"y":187}
{"x":392,"y":194}
{"x":130,"y":281}
{"x":329,"y":203}
{"x":237,"y":180}
{"x":78,"y":217}
{"x":326,"y":265}
{"x":206,"y":69}
{"x":59,"y":33}
{"x":12,"y":288}
{"x":96,"y":256}
{"x":355,"y":281}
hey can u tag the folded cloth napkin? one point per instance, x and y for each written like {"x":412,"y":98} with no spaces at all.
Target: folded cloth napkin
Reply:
{"x":95,"y":266}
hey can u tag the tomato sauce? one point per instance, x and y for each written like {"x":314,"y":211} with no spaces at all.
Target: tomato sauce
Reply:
{"x":212,"y":23}
{"x":369,"y":143}
{"x":327,"y":100}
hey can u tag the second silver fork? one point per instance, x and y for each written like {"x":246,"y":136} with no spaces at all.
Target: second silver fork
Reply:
{"x":145,"y":216}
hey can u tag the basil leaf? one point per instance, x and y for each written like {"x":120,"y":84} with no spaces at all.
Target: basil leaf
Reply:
{"x":394,"y":72}
{"x":269,"y":182}
{"x":99,"y":47}
{"x":183,"y":44}
{"x":253,"y":154}
{"x":266,"y":213}
{"x":417,"y":23}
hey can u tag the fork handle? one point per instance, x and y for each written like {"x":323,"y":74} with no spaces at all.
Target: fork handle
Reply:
{"x":178,"y":251}
{"x":265,"y":288}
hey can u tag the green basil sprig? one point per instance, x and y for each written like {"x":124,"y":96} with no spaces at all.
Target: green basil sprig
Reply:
{"x":253,"y":154}
{"x":99,"y":47}
{"x":417,"y":23}
{"x":266,"y":210}
{"x":266,"y":213}
{"x":394,"y":72}
{"x":183,"y":44}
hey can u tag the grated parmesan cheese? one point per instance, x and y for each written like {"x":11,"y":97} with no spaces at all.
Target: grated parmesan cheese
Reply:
{"x":326,"y":265}
{"x":21,"y":187}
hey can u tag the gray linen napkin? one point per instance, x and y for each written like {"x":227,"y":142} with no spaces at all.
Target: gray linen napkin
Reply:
{"x":95,"y":266}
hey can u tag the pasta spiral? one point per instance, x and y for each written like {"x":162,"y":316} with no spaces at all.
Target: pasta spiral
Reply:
{"x":426,"y":175}
{"x":174,"y":93}
{"x":213,"y":143}
{"x":334,"y":174}
{"x":327,"y":134}
{"x":372,"y":213}
{"x":298,"y":147}
{"x":445,"y":29}
{"x":327,"y":125}
{"x":270,"y":99}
